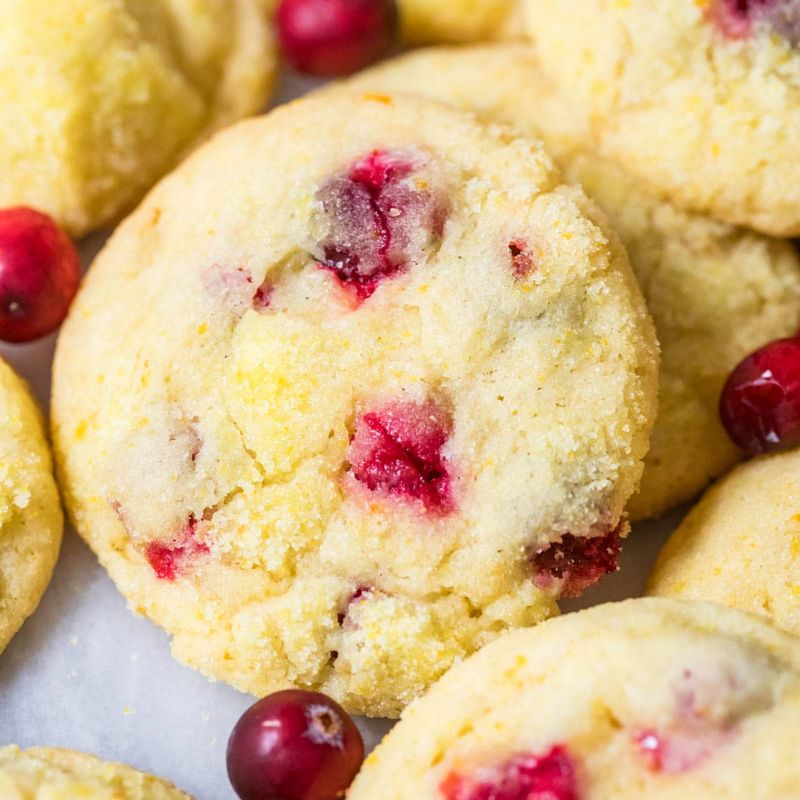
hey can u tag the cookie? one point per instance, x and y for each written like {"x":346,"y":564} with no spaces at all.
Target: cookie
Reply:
{"x":30,"y":512}
{"x":647,"y":698}
{"x":432,"y":21}
{"x":699,"y":97}
{"x":99,"y":98}
{"x":715,"y":292}
{"x":740,"y":545}
{"x":336,"y":410}
{"x":54,"y":774}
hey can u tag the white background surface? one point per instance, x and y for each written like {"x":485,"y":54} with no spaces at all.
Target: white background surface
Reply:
{"x":84,"y":673}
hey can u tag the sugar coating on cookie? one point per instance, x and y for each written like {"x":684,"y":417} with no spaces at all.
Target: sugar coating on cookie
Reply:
{"x":99,"y":98}
{"x":359,"y":387}
{"x":700,"y":97}
{"x":30,"y":512}
{"x":43,"y":773}
{"x":648,"y":698}
{"x":432,"y":21}
{"x":715,"y":292}
{"x":740,"y":545}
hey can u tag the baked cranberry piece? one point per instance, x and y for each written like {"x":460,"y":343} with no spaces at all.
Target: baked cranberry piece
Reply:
{"x":169,"y":559}
{"x":760,"y":403}
{"x":294,"y":745}
{"x":335,"y":37}
{"x":578,"y":562}
{"x":737,"y":18}
{"x":39,"y":274}
{"x":397,"y":450}
{"x":677,"y":752}
{"x":379,"y":221}
{"x":526,"y":777}
{"x":522,"y":263}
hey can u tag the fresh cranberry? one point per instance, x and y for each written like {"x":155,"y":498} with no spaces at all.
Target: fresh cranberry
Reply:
{"x":397,"y":450}
{"x":736,"y":18}
{"x":378,"y":222}
{"x":760,"y":403}
{"x":522,"y":262}
{"x":578,"y":562}
{"x":330,"y":38}
{"x":169,"y":559}
{"x":39,"y":274}
{"x":526,"y":777}
{"x":294,"y":745}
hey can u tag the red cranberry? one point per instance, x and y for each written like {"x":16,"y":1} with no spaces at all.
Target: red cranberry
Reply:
{"x":522,"y":262}
{"x":39,"y":274}
{"x":526,"y":777}
{"x":294,"y":745}
{"x":736,"y":18}
{"x":330,"y":38}
{"x":397,"y":449}
{"x":378,"y":222}
{"x":169,"y":558}
{"x":760,"y":403}
{"x":578,"y":562}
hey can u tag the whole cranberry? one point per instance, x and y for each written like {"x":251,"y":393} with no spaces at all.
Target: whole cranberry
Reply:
{"x":760,"y":403}
{"x":330,"y":38}
{"x":39,"y":274}
{"x":294,"y":745}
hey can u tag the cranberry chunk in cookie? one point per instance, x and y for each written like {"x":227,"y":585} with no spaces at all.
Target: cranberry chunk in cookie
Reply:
{"x":382,"y":216}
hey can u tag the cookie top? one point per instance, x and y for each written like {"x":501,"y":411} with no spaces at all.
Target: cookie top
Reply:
{"x":43,"y":773}
{"x":647,"y":698}
{"x":336,"y":410}
{"x":432,"y":21}
{"x":740,"y":545}
{"x":99,"y":98}
{"x":700,"y":97}
{"x":715,"y":292}
{"x":30,"y":512}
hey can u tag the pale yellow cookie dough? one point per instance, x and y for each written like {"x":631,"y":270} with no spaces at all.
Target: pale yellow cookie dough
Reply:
{"x":99,"y":98}
{"x":715,"y":292}
{"x":711,"y":120}
{"x":432,"y":21}
{"x":741,"y":544}
{"x":30,"y":512}
{"x":211,"y":376}
{"x":43,"y":773}
{"x":649,"y":698}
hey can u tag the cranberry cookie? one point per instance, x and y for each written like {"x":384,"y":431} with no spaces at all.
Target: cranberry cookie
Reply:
{"x":356,"y":389}
{"x":715,"y":292}
{"x":43,"y":773}
{"x":740,"y":545}
{"x":30,"y":512}
{"x":99,"y":98}
{"x":648,"y":698}
{"x":699,"y":97}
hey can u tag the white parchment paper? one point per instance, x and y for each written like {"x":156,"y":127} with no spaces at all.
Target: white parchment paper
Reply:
{"x":87,"y":674}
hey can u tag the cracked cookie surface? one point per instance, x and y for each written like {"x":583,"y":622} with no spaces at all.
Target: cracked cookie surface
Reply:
{"x":716,"y":292}
{"x":30,"y":511}
{"x":699,"y":97}
{"x":41,"y":773}
{"x":99,"y":98}
{"x":348,"y":408}
{"x":647,"y":698}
